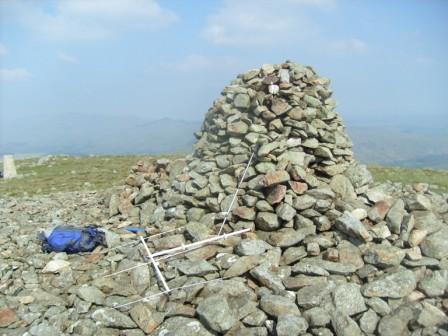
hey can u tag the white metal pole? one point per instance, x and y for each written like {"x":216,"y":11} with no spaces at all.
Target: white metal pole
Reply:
{"x":236,"y":192}
{"x":166,"y":292}
{"x":209,"y":240}
{"x":154,"y":263}
{"x":180,"y":249}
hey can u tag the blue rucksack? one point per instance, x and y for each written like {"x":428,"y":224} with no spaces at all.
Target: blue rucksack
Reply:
{"x":72,"y":239}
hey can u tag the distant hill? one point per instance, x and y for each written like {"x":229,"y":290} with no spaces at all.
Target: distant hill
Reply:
{"x":122,"y":135}
{"x":404,"y":147}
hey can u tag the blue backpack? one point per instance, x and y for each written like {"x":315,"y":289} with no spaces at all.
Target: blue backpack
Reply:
{"x":72,"y":240}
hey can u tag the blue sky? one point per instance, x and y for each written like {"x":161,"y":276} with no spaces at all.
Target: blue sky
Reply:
{"x":148,"y":59}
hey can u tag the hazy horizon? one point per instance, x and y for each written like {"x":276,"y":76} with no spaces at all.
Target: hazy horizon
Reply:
{"x":64,"y":63}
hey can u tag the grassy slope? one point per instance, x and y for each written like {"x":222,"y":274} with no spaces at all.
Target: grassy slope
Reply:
{"x":102,"y":172}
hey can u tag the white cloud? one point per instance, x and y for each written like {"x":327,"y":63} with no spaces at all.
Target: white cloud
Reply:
{"x":3,"y":50}
{"x":425,"y":60}
{"x":348,"y":46}
{"x":196,"y":63}
{"x":263,"y":22}
{"x":89,"y":20}
{"x":67,"y":58}
{"x":192,"y":62}
{"x":14,"y":74}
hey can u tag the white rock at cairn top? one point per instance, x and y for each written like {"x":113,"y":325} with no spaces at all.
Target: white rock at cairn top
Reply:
{"x":9,"y":168}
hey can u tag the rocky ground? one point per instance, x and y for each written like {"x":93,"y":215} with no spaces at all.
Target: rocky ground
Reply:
{"x":376,"y":289}
{"x":329,"y":252}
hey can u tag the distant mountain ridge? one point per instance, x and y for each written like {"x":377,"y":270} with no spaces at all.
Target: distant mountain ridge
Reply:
{"x":390,"y":146}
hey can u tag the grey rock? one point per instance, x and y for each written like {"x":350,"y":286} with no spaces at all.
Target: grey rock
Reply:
{"x":348,"y":299}
{"x":418,"y":202}
{"x":181,"y":326}
{"x":321,"y":332}
{"x":290,"y":324}
{"x":255,"y":331}
{"x":251,"y":247}
{"x":352,"y":227}
{"x":342,"y":186}
{"x":304,"y":202}
{"x":196,"y":267}
{"x":434,"y":285}
{"x":393,"y":285}
{"x":112,"y":318}
{"x":436,"y":244}
{"x":308,"y":268}
{"x":255,"y":319}
{"x":312,"y":296}
{"x":383,"y":256}
{"x":285,"y":212}
{"x":300,"y":281}
{"x":379,"y":306}
{"x":293,"y":254}
{"x":359,"y":175}
{"x":395,"y":216}
{"x":91,"y":294}
{"x":265,"y":167}
{"x":428,"y":221}
{"x":293,"y":157}
{"x":286,"y":237}
{"x":267,"y":221}
{"x":145,"y":193}
{"x":321,"y":193}
{"x":397,"y":322}
{"x":317,"y":317}
{"x":369,"y":321}
{"x":265,"y":149}
{"x":343,"y":325}
{"x":242,"y":101}
{"x":276,"y":305}
{"x":332,"y":267}
{"x":140,"y":277}
{"x":312,"y":101}
{"x":214,"y":312}
{"x":284,"y":75}
{"x":267,"y":278}
{"x":243,"y":265}
{"x":44,"y":329}
{"x":431,"y":316}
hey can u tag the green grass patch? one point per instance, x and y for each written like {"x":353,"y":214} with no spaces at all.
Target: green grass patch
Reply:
{"x":69,"y":173}
{"x":438,"y":179}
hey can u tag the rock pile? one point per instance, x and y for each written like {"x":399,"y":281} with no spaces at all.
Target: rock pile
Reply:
{"x":330,"y":253}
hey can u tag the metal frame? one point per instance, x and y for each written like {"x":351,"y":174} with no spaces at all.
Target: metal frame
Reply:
{"x":165,"y":254}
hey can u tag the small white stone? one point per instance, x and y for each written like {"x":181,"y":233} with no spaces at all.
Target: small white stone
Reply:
{"x":359,"y":213}
{"x":55,"y":266}
{"x":273,"y":89}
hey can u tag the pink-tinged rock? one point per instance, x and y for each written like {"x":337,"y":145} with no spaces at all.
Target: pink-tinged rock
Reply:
{"x":276,"y":194}
{"x":298,"y":187}
{"x":7,"y":317}
{"x":379,"y":211}
{"x":244,"y":213}
{"x":280,"y":106}
{"x":275,"y":177}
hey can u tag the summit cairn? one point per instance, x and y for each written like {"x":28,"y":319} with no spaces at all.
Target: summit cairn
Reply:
{"x":330,"y":253}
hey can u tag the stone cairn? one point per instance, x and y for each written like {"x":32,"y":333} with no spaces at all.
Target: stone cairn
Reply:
{"x":329,"y":253}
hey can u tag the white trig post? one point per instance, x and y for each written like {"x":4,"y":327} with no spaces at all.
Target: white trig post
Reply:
{"x":154,"y":263}
{"x":9,"y":168}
